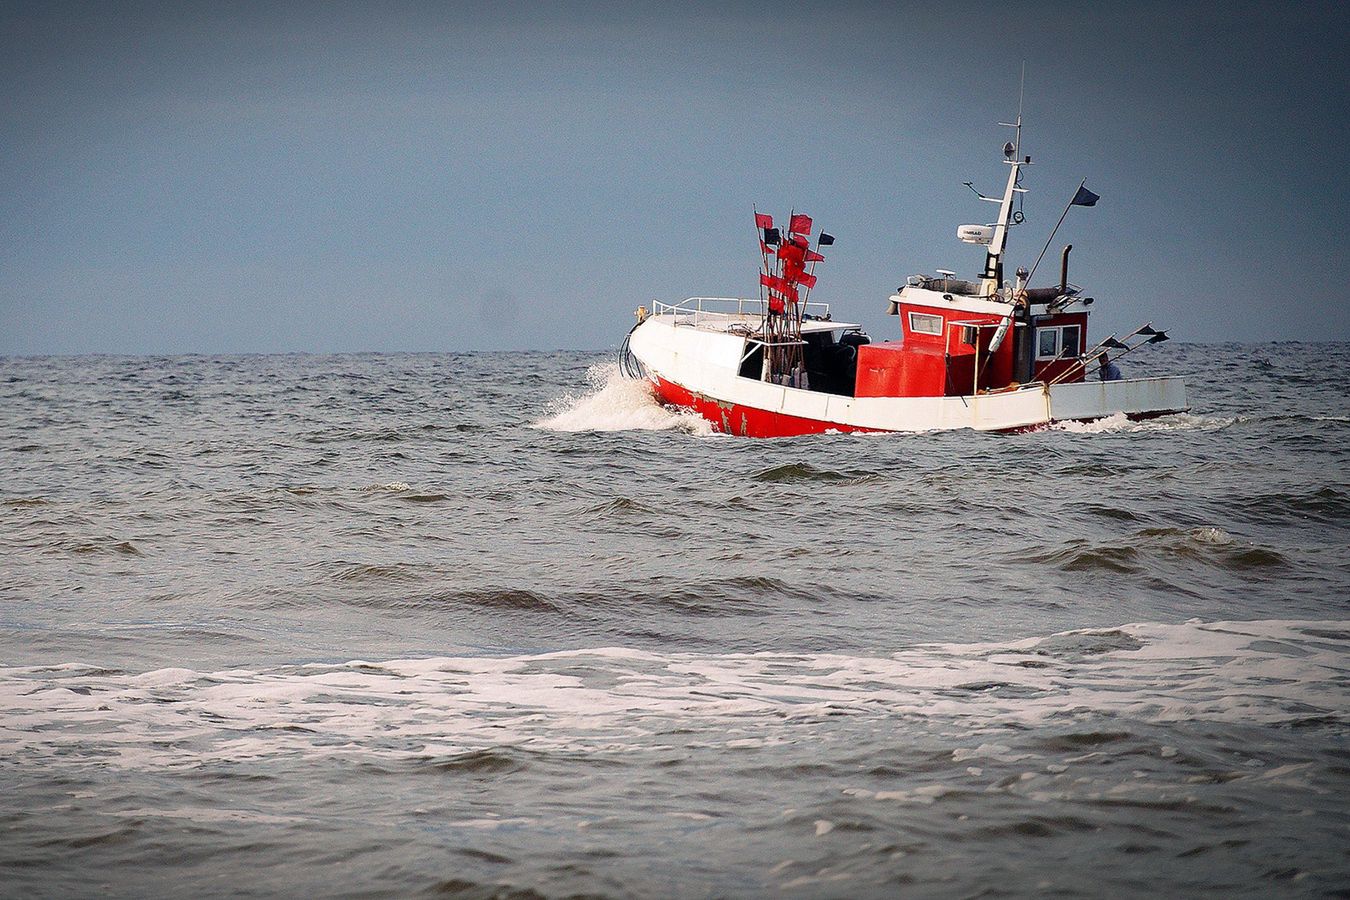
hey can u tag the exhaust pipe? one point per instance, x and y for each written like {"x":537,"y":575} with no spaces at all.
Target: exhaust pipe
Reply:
{"x":1064,"y":271}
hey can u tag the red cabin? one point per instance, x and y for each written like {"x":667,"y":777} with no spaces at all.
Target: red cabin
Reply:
{"x":957,"y":348}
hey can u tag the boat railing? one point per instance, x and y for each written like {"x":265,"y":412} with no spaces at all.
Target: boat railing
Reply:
{"x":692,"y":310}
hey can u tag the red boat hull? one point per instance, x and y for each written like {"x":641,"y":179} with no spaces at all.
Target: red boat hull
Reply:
{"x":747,"y":421}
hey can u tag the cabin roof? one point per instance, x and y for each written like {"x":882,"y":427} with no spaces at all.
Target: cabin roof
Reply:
{"x":915,"y":296}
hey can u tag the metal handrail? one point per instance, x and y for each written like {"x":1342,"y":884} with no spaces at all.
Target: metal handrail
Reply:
{"x":695,"y":306}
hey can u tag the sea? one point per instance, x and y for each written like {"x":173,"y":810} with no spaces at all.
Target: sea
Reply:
{"x":498,"y":625}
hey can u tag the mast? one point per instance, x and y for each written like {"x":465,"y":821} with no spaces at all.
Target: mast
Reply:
{"x":993,"y":259}
{"x":992,"y":276}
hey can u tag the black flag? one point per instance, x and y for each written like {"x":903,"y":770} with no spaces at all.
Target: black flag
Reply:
{"x":1084,"y":197}
{"x":771,"y":237}
{"x":825,"y":240}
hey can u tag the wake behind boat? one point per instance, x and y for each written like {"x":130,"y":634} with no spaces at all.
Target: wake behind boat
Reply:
{"x":988,"y":354}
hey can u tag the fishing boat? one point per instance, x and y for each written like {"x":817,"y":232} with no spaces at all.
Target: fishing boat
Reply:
{"x":988,"y":354}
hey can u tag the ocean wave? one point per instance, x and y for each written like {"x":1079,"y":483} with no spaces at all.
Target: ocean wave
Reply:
{"x":614,"y":403}
{"x":360,"y":435}
{"x":418,"y":588}
{"x":497,"y":598}
{"x":21,"y":502}
{"x":405,"y":600}
{"x":409,"y":497}
{"x":100,"y":546}
{"x":794,"y":472}
{"x":494,"y":762}
{"x":470,"y":712}
{"x":1327,"y":504}
{"x":710,"y":597}
{"x":619,"y":507}
{"x":1081,"y":556}
{"x":376,"y":572}
{"x":1204,"y":544}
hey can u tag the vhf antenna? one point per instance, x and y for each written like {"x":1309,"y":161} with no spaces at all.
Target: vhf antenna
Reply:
{"x":1017,"y":139}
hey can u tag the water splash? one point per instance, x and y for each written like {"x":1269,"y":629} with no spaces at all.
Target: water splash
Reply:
{"x":1122,"y":423}
{"x":1117,"y":422}
{"x":393,"y":487}
{"x":1211,"y":535}
{"x":614,"y":403}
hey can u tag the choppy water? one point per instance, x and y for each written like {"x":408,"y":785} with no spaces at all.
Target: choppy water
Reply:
{"x":497,"y":625}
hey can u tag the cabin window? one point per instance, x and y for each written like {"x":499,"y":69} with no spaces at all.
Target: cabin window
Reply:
{"x":1068,"y":342}
{"x":1047,"y":343}
{"x":1059,"y":342}
{"x":969,"y":335}
{"x":922,"y":323}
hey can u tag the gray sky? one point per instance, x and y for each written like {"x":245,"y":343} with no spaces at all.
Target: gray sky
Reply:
{"x":235,"y":177}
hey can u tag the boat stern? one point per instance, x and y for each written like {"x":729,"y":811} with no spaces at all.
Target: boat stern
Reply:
{"x":1137,"y":398}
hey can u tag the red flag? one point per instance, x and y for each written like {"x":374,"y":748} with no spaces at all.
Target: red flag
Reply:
{"x":775,"y":305}
{"x":813,"y":256}
{"x":808,"y":280}
{"x":763,"y":221}
{"x":791,"y":254}
{"x":801,"y":224}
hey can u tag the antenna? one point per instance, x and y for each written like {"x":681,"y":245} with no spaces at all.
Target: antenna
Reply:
{"x":1021,"y":92}
{"x":991,"y":278}
{"x":1016,"y":143}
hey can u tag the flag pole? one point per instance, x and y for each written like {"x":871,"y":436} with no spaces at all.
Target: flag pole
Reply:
{"x":812,"y":271}
{"x":783,"y":353}
{"x":1056,"y":230}
{"x":771,"y":323}
{"x":764,"y":259}
{"x":791,"y":331}
{"x":771,"y":326}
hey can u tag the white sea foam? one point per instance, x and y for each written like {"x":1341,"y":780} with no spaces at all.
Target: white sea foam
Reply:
{"x":1211,"y":535}
{"x":1121,"y":422}
{"x":1097,"y":426}
{"x":614,"y":403}
{"x":392,"y":487}
{"x":1185,"y":422}
{"x":614,"y":700}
